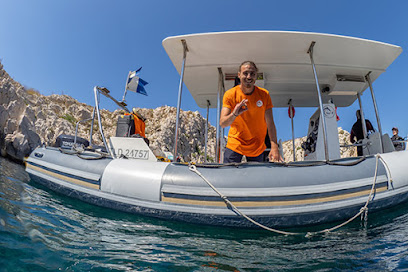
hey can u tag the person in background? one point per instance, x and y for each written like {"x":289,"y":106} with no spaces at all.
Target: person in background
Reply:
{"x":357,"y":131}
{"x":248,"y":110}
{"x":395,"y":140}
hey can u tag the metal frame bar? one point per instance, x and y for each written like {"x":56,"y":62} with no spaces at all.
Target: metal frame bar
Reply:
{"x":206,"y":131}
{"x":293,"y":129}
{"x":76,"y":131}
{"x":363,"y":123}
{"x":185,"y":50}
{"x":124,"y":94}
{"x":220,"y":132}
{"x":376,"y":109}
{"x":92,"y":125}
{"x":319,"y":94}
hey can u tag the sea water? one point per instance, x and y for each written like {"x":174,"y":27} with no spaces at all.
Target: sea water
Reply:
{"x":44,"y":231}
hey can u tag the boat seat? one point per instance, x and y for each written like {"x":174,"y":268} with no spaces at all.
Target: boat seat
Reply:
{"x":372,"y":144}
{"x":387,"y":143}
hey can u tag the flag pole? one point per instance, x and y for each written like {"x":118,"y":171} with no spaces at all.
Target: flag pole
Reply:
{"x":127,"y":81}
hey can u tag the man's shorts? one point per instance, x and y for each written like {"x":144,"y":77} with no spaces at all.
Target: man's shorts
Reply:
{"x":232,"y":156}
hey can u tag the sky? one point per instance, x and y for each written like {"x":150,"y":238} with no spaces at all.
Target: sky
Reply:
{"x":69,"y":46}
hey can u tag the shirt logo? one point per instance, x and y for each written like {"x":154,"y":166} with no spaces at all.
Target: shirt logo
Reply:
{"x":259,"y":103}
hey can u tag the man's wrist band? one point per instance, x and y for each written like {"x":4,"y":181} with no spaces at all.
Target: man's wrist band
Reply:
{"x":234,"y":115}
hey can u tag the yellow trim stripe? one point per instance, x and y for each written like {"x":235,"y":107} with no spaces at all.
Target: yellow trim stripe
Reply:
{"x":62,"y":177}
{"x":270,"y":203}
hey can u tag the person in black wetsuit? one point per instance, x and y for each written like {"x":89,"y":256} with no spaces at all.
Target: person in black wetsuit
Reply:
{"x":357,"y":131}
{"x":395,"y":138}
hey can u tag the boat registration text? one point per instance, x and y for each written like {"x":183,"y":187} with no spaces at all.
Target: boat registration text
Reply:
{"x":133,"y":153}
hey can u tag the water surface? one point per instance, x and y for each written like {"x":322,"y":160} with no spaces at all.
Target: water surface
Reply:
{"x":43,"y":231}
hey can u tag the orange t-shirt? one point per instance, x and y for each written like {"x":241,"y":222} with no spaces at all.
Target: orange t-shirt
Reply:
{"x":247,"y":133}
{"x":139,"y":125}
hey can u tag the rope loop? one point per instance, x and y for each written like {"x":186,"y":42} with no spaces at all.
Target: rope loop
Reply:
{"x":192,"y":167}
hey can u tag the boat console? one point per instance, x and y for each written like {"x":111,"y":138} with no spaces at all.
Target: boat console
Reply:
{"x":314,"y":146}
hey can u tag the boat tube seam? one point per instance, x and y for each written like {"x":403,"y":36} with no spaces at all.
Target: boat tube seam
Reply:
{"x":270,"y":192}
{"x":64,"y":176}
{"x":56,"y":167}
{"x":256,"y":203}
{"x":272,"y":197}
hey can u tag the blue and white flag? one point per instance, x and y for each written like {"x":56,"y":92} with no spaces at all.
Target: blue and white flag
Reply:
{"x":135,"y":83}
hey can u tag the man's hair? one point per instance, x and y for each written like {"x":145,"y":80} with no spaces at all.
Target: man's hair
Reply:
{"x":248,"y":62}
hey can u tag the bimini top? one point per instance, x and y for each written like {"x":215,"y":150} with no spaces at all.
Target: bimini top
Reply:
{"x":283,"y":62}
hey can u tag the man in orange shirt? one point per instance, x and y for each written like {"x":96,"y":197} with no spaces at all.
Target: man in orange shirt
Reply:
{"x":248,"y":110}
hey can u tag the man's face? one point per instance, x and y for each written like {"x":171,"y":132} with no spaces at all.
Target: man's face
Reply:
{"x":247,"y":75}
{"x":394,"y":132}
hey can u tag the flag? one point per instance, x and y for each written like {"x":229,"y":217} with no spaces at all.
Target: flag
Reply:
{"x":135,"y":83}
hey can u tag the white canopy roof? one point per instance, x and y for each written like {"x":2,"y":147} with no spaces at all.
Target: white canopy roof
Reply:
{"x":283,"y":60}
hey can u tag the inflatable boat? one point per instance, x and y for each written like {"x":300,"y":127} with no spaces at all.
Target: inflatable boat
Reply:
{"x":300,"y":70}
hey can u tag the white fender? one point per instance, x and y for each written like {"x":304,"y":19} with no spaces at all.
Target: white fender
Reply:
{"x":397,"y":163}
{"x":134,"y":178}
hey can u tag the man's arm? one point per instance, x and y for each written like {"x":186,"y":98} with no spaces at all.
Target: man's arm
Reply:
{"x":352,"y":136}
{"x":274,"y":153}
{"x":227,"y":117}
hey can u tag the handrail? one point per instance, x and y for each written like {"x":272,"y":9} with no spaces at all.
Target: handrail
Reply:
{"x":96,"y":91}
{"x":353,"y":145}
{"x":400,"y":141}
{"x":105,"y":92}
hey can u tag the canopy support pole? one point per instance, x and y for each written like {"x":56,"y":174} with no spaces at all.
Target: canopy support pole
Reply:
{"x":185,"y":50}
{"x":293,"y":129}
{"x":218,"y":155}
{"x":319,"y":94}
{"x":363,"y":122}
{"x":376,"y":110}
{"x":206,"y":131}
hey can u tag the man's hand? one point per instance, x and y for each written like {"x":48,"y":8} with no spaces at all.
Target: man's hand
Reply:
{"x":240,"y":107}
{"x":274,"y":155}
{"x":228,"y":116}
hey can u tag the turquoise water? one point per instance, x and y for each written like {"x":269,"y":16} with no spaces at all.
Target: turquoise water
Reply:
{"x":44,"y":231}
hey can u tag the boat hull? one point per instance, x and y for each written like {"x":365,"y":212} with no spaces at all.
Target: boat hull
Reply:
{"x":274,"y":195}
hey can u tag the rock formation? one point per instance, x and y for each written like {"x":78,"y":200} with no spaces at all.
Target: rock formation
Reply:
{"x":28,"y":119}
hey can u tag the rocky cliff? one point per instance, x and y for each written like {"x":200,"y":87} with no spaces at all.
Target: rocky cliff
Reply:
{"x":28,"y":119}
